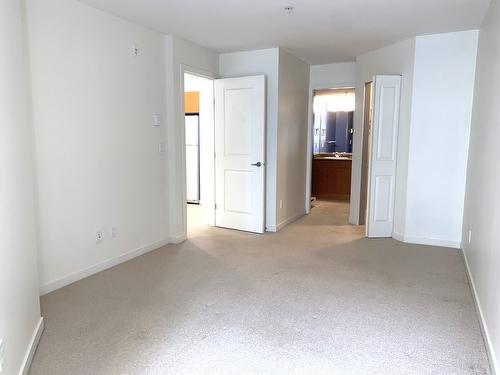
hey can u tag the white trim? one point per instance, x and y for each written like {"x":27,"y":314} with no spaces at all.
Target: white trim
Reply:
{"x":35,"y":339}
{"x":78,"y":275}
{"x":398,"y":236}
{"x":431,"y":241}
{"x":271,"y":228}
{"x":177,"y":239}
{"x":426,"y":241}
{"x":482,"y":321}
{"x":333,"y":85}
{"x":284,"y":223}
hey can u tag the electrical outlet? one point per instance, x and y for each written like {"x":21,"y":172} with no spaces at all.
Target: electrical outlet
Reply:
{"x":114,"y":232}
{"x":98,"y":236}
{"x":135,"y":50}
{"x":470,"y":235}
{"x":1,"y":355}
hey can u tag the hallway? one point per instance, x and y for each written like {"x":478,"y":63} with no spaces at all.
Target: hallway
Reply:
{"x":314,"y":298}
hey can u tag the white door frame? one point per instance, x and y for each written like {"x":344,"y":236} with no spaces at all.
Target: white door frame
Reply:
{"x":310,"y":136}
{"x":182,"y":141}
{"x":365,"y":155}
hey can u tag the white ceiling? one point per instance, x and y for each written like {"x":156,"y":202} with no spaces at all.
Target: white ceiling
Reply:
{"x":318,"y":31}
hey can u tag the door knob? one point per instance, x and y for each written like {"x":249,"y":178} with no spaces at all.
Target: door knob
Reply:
{"x":258,"y":164}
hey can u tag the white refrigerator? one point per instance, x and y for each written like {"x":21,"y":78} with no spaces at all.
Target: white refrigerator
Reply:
{"x":193,"y":158}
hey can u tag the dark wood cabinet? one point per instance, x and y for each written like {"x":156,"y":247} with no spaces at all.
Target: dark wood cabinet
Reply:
{"x":331,"y":179}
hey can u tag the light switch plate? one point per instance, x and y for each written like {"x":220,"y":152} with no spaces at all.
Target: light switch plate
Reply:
{"x":161,"y":148}
{"x":156,"y":120}
{"x":1,"y":355}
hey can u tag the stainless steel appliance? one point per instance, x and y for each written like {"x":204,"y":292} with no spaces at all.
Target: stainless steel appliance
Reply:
{"x":192,"y":123}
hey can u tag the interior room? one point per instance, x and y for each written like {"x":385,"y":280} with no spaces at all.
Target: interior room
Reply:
{"x":199,"y":138}
{"x":333,"y":122}
{"x":181,"y":196}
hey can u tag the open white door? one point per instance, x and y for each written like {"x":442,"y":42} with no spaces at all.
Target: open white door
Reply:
{"x":239,"y":153}
{"x":384,"y":145}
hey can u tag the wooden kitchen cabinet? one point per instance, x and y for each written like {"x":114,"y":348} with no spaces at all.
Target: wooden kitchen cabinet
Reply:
{"x":192,"y":102}
{"x":331,"y":178}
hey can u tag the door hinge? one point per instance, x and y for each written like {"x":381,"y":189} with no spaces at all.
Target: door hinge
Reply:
{"x":216,"y":206}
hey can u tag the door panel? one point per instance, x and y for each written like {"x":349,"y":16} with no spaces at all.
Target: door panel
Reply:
{"x":238,"y":116}
{"x":387,"y":124}
{"x":382,"y":169}
{"x":238,"y":188}
{"x":239,"y":143}
{"x":383,"y":190}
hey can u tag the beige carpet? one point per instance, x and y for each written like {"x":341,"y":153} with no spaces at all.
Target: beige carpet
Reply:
{"x":315,"y":298}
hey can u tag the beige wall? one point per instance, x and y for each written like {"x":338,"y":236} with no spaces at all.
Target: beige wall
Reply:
{"x":482,"y":203}
{"x":96,"y":149}
{"x":293,"y":95}
{"x":439,"y":137}
{"x":396,"y":59}
{"x":180,"y":54}
{"x":19,"y":304}
{"x":333,"y":75}
{"x":287,"y":83}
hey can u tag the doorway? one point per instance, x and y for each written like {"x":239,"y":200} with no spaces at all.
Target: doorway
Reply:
{"x":224,"y":146}
{"x":199,"y":151}
{"x":332,"y":148}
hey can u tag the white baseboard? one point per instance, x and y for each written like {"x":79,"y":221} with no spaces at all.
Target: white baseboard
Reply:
{"x":78,"y":275}
{"x":177,"y":239}
{"x":426,"y":241}
{"x":482,"y":321}
{"x":35,"y":339}
{"x":398,"y":236}
{"x":284,"y":223}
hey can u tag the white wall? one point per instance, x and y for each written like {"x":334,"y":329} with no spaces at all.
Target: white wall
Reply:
{"x":482,"y":204}
{"x":293,"y":95}
{"x":443,"y":84}
{"x":96,"y":149}
{"x":180,"y":56}
{"x":333,"y":75}
{"x":19,"y":304}
{"x":395,"y":59}
{"x":437,"y":84}
{"x":259,"y":62}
